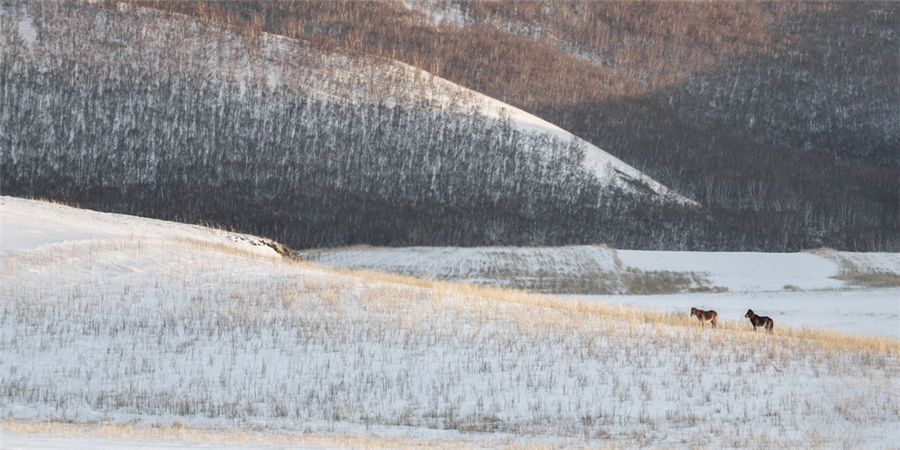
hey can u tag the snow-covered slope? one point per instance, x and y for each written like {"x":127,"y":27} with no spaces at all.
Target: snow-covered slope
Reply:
{"x":116,"y":320}
{"x":31,"y":225}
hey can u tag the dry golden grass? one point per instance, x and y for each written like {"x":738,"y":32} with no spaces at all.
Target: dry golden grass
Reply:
{"x":547,"y":342}
{"x":803,"y":337}
{"x":86,"y":250}
{"x":218,"y":436}
{"x":565,"y":270}
{"x":260,"y":437}
{"x":853,"y":273}
{"x":220,"y":246}
{"x":871,"y":279}
{"x":53,"y":202}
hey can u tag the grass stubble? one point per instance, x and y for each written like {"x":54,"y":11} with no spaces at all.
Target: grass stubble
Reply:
{"x":229,"y":345}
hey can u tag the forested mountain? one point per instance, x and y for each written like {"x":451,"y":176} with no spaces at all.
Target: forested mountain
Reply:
{"x":131,"y":109}
{"x":780,"y":119}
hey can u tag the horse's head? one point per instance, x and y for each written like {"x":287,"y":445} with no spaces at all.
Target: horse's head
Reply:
{"x":695,"y":312}
{"x":749,"y":314}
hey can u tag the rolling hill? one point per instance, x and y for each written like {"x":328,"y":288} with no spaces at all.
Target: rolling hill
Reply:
{"x":132,"y":327}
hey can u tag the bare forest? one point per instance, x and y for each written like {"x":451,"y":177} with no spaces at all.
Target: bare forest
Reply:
{"x":779,"y":119}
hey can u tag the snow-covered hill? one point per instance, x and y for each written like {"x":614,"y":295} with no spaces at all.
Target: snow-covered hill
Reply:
{"x":116,"y":321}
{"x":35,"y":226}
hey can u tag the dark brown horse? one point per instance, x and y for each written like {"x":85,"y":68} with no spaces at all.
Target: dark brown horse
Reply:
{"x":705,"y":316}
{"x":760,"y":321}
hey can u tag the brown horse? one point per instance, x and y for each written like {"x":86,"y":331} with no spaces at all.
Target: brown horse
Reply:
{"x":705,"y":316}
{"x":760,"y":321}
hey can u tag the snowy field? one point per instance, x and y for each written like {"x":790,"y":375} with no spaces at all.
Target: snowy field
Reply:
{"x":608,"y":270}
{"x":717,"y":271}
{"x":111,"y":320}
{"x":862,"y":311}
{"x":795,"y":289}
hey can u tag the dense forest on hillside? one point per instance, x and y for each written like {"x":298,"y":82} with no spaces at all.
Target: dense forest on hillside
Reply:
{"x":782,"y":114}
{"x":91,"y":121}
{"x":780,"y":118}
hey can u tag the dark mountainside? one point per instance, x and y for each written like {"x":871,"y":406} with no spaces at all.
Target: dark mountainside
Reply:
{"x":107,"y":112}
{"x":802,"y":141}
{"x":780,"y":118}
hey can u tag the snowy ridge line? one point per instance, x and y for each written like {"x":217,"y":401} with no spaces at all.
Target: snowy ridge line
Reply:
{"x":30,"y":225}
{"x":597,"y":161}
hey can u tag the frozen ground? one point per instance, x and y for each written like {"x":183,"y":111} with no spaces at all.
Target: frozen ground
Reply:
{"x":796,"y":289}
{"x":110,"y":319}
{"x":36,"y":441}
{"x":747,"y":271}
{"x":591,"y":269}
{"x":859,"y":311}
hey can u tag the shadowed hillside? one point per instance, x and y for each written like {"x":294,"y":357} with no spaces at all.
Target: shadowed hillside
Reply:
{"x":135,"y":110}
{"x":780,"y":117}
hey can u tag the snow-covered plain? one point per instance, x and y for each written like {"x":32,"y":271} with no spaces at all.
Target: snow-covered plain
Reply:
{"x":114,"y":319}
{"x":863,"y":311}
{"x":798,"y":289}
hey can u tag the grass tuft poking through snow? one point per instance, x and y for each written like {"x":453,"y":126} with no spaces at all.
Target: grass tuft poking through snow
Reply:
{"x":164,"y":331}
